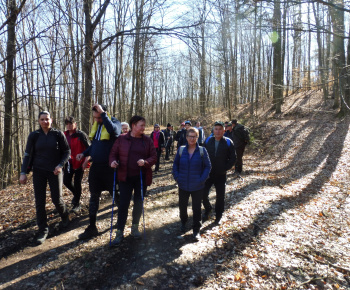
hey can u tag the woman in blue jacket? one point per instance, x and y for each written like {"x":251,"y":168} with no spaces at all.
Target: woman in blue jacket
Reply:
{"x":191,"y":169}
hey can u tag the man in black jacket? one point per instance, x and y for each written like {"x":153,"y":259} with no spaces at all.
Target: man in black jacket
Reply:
{"x":240,"y":140}
{"x":168,"y":140}
{"x":222,"y":157}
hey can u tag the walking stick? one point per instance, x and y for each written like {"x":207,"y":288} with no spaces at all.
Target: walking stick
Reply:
{"x":143,"y":210}
{"x":110,"y":236}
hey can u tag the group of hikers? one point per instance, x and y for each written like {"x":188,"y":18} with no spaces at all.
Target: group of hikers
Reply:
{"x":121,"y":153}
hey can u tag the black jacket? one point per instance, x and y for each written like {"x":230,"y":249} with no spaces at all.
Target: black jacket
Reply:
{"x":49,"y":150}
{"x":225,"y":156}
{"x":161,"y":140}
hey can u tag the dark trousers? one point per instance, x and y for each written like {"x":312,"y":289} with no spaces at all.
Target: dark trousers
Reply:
{"x":159,"y":152}
{"x":219,"y":181}
{"x":40,"y":180}
{"x":101,"y":178}
{"x":196,"y":206}
{"x":126,"y":188}
{"x":239,"y":160}
{"x":75,"y":188}
{"x":168,"y":148}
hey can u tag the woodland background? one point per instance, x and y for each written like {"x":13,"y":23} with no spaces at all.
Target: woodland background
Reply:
{"x":166,"y":60}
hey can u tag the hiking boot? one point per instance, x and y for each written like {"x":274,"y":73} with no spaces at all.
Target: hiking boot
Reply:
{"x":118,"y":239}
{"x":135,"y":231}
{"x":65,"y":222}
{"x":196,"y":235}
{"x":41,"y":238}
{"x":206,"y":215}
{"x":90,"y":232}
{"x":183,"y":228}
{"x":76,"y":209}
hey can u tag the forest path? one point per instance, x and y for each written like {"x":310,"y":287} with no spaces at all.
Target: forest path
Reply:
{"x":285,"y":225}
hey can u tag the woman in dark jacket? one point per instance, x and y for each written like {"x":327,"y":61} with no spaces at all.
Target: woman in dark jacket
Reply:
{"x":191,"y":168}
{"x":49,"y":151}
{"x":158,"y":140}
{"x":134,"y":155}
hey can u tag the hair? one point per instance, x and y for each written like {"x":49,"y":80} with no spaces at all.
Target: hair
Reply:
{"x":124,"y":123}
{"x":69,"y":119}
{"x":234,"y":121}
{"x":43,"y":113}
{"x":136,"y":119}
{"x":192,"y":130}
{"x":104,"y":108}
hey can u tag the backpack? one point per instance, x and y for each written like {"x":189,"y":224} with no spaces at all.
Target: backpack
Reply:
{"x":243,"y":133}
{"x":201,"y":151}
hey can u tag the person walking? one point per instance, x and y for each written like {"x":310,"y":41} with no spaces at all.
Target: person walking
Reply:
{"x":240,"y":138}
{"x":78,"y":142}
{"x":201,"y":137}
{"x":125,"y":127}
{"x":190,"y":170}
{"x":158,"y":140}
{"x":183,"y":139}
{"x":134,"y":155}
{"x":168,"y":135}
{"x":48,"y":151}
{"x":178,"y":134}
{"x":104,"y":132}
{"x":222,"y":157}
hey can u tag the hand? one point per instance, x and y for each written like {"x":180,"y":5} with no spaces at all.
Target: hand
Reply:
{"x":98,"y":108}
{"x":23,"y":179}
{"x":57,"y":170}
{"x":85,"y":163}
{"x":79,"y":156}
{"x":114,"y":164}
{"x":141,"y":162}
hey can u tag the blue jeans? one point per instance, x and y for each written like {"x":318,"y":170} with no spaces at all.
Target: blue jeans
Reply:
{"x":126,"y":188}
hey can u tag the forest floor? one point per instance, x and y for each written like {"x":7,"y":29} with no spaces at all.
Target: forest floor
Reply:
{"x":285,"y":226}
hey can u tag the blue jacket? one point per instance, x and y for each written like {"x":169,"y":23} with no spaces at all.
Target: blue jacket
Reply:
{"x":99,"y":149}
{"x":191,"y":174}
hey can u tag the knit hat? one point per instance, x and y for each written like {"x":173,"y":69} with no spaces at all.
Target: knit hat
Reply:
{"x":156,"y":125}
{"x":168,"y":125}
{"x":188,"y":122}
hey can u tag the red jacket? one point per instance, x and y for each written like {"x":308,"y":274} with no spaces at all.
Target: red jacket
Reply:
{"x":78,"y":144}
{"x":120,"y":153}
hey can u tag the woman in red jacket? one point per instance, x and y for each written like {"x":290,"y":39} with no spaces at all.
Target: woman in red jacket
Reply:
{"x":134,"y":155}
{"x":78,"y":142}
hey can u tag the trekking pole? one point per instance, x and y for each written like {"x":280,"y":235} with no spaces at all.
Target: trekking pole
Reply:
{"x":143,"y":210}
{"x":110,"y":236}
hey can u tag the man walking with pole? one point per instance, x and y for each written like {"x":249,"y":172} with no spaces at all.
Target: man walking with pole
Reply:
{"x":222,"y":157}
{"x":104,"y":132}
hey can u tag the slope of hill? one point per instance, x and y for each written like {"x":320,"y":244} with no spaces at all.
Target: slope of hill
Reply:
{"x":286,"y":223}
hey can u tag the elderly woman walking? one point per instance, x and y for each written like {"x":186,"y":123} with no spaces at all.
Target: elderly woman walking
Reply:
{"x":191,"y":169}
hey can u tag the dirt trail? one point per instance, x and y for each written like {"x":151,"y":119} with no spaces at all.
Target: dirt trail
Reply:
{"x":285,"y":225}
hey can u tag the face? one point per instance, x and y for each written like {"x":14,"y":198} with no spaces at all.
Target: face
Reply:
{"x":125,"y":128}
{"x":187,"y":126}
{"x":97,"y":117}
{"x":198,"y":124}
{"x":191,"y":138}
{"x":45,"y":121}
{"x":139,"y":127}
{"x":71,"y":126}
{"x":156,"y":129}
{"x":218,"y":132}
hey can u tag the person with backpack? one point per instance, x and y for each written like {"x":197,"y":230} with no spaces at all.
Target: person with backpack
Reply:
{"x":183,"y":133}
{"x":47,"y":151}
{"x":240,"y":138}
{"x":159,"y":141}
{"x":78,"y":142}
{"x":191,"y":169}
{"x":222,"y":157}
{"x":134,"y":155}
{"x":104,"y":132}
